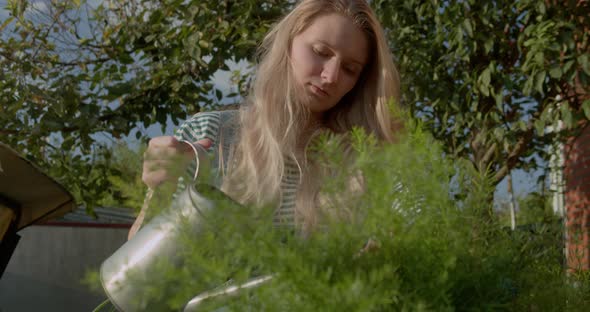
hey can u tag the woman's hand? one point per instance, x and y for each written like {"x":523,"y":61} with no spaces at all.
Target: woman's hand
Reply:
{"x":166,"y":158}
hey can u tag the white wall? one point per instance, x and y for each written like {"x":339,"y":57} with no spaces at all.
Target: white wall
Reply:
{"x":46,"y":269}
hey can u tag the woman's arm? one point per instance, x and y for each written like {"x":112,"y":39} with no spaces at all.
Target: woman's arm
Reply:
{"x":167,"y":157}
{"x":139,"y":220}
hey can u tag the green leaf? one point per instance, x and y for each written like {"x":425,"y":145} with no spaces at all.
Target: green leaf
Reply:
{"x":18,"y":8}
{"x":126,"y":59}
{"x":488,"y":45}
{"x":540,"y":81}
{"x":567,"y":66}
{"x":118,"y":90}
{"x":176,"y":85}
{"x":195,"y":52}
{"x":528,"y":86}
{"x":586,"y":108}
{"x":539,"y":58}
{"x":468,"y":28}
{"x":540,"y":127}
{"x":6,"y":22}
{"x":555,"y":72}
{"x":541,"y":7}
{"x":83,"y":41}
{"x":203,"y":44}
{"x":566,"y":114}
{"x":499,"y":133}
{"x":583,"y":60}
{"x":499,"y":100}
{"x":150,"y":38}
{"x":486,"y":77}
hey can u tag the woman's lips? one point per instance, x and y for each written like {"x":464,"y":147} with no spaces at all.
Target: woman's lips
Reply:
{"x":318,"y":91}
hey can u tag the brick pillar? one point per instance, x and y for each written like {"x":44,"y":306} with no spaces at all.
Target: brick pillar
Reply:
{"x":577,"y":201}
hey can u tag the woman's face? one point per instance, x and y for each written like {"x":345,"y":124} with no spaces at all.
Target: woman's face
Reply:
{"x":327,"y":59}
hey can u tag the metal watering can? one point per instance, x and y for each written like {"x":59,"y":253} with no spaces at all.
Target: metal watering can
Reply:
{"x":161,"y":239}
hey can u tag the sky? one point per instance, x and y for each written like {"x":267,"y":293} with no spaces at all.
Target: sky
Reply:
{"x":3,"y":12}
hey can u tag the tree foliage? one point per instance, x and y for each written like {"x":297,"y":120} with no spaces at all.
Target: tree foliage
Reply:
{"x":73,"y":72}
{"x":491,"y":77}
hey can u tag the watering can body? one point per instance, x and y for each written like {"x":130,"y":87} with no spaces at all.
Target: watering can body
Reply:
{"x":159,"y":239}
{"x":162,"y":239}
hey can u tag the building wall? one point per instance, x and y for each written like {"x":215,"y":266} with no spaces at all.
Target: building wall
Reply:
{"x":49,"y":263}
{"x":577,"y":201}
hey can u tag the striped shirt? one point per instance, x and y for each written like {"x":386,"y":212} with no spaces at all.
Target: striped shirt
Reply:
{"x":221,"y":127}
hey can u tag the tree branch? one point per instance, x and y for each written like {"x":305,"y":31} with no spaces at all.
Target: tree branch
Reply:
{"x":9,"y":132}
{"x":519,"y":148}
{"x":86,"y":62}
{"x":489,"y":153}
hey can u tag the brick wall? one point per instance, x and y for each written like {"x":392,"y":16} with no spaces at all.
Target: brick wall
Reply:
{"x":577,"y":201}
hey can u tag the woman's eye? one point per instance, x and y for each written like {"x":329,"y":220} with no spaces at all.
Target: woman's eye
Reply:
{"x":350,"y":70}
{"x":320,"y":52}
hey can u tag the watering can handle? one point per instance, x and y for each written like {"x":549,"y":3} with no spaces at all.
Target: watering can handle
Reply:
{"x":150,"y":191}
{"x":195,"y":148}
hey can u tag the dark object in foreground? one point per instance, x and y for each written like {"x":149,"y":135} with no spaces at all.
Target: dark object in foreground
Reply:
{"x":27,"y":196}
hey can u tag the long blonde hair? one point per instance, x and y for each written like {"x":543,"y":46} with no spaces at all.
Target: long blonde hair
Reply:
{"x":273,"y":120}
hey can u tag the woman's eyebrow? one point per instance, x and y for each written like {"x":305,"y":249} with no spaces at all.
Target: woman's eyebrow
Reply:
{"x":348,"y":59}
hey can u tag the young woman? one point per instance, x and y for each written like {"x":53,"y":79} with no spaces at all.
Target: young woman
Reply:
{"x":325,"y":66}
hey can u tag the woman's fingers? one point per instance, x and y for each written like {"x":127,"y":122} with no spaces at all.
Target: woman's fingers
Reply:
{"x":154,"y":178}
{"x":164,"y":141}
{"x":166,"y":158}
{"x":164,"y":147}
{"x":159,"y":164}
{"x":206,"y":143}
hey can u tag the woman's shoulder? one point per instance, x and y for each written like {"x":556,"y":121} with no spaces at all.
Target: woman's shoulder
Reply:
{"x":207,"y":124}
{"x":215,"y":117}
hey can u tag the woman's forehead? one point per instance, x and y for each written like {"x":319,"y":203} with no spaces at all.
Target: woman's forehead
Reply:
{"x":339,"y":33}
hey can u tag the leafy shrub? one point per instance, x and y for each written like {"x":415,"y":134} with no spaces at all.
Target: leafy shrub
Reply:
{"x":415,"y":239}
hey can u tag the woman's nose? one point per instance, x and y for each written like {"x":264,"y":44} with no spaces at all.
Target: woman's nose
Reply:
{"x":331,"y":71}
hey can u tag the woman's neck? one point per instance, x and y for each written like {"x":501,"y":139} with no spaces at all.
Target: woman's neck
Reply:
{"x":308,"y":130}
